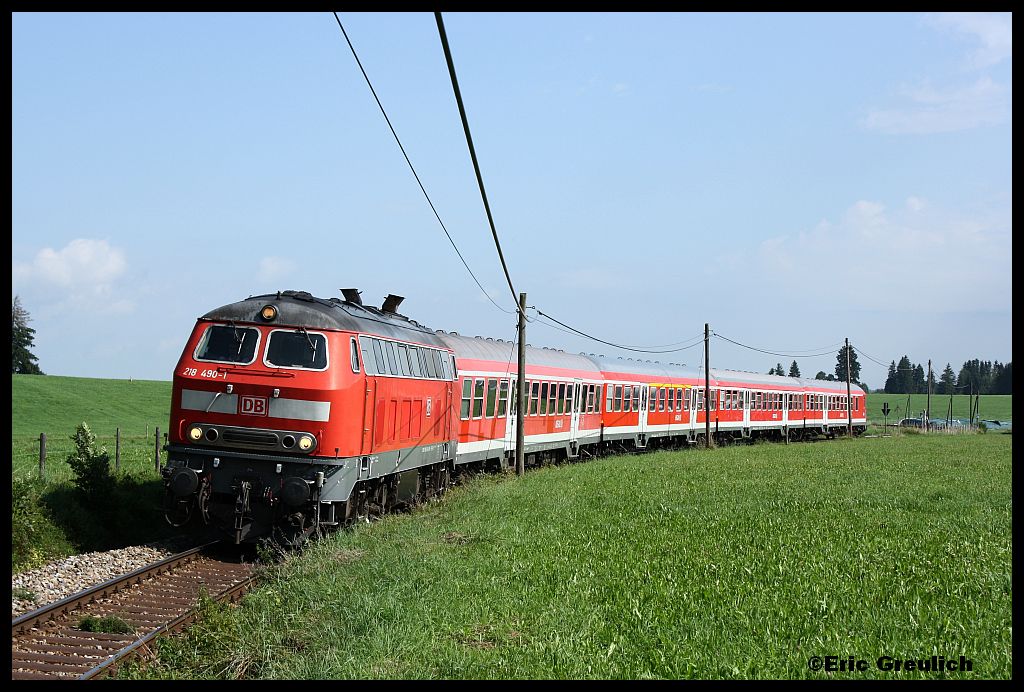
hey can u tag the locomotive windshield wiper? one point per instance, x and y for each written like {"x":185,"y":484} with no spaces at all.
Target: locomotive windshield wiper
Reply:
{"x":240,"y":340}
{"x":312,"y":346}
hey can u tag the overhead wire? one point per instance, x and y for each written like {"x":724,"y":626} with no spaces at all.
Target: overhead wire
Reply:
{"x":413,"y":169}
{"x":610,"y":343}
{"x":831,"y":350}
{"x":472,"y":153}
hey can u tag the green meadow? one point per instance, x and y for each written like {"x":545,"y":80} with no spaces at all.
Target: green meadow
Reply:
{"x":738,"y":562}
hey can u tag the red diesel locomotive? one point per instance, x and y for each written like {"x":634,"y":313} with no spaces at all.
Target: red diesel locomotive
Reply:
{"x":290,"y":413}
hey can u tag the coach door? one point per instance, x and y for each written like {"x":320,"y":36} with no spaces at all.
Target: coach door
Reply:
{"x":574,"y":421}
{"x":746,"y":397}
{"x":513,"y":413}
{"x":641,"y":423}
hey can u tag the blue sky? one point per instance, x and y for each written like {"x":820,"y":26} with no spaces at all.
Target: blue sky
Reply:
{"x":791,"y":179}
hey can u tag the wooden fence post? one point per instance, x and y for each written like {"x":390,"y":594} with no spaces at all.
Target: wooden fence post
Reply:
{"x":156,"y":450}
{"x":42,"y":456}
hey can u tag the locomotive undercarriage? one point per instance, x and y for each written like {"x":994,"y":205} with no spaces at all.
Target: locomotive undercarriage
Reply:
{"x":288,"y":501}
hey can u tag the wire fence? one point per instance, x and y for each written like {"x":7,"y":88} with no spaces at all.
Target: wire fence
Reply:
{"x":140,"y":454}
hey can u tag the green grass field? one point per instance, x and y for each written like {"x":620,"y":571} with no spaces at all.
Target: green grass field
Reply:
{"x":739,"y":562}
{"x":56,"y":405}
{"x":991,"y":406}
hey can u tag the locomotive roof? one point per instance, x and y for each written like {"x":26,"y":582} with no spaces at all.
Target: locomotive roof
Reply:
{"x":300,"y":309}
{"x":477,"y":348}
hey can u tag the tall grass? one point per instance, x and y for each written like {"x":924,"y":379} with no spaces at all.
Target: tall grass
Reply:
{"x":739,"y":562}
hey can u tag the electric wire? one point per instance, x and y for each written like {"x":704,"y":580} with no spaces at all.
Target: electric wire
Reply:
{"x":774,"y":353}
{"x":413,"y":169}
{"x":609,"y":343}
{"x":472,"y":152}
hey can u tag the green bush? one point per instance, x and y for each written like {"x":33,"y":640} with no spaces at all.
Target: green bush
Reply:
{"x":35,"y":538}
{"x":91,"y":466}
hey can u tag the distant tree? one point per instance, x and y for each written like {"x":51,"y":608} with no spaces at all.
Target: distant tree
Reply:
{"x":905,"y":376}
{"x":779,"y":371}
{"x":794,"y":370}
{"x":841,"y":365}
{"x":821,"y":375}
{"x":947,"y":381}
{"x":919,"y":385}
{"x":1003,"y":380}
{"x":23,"y":361}
{"x":892,"y":383}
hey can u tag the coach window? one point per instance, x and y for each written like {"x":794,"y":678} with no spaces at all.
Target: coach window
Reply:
{"x":228,"y":344}
{"x":627,"y":398}
{"x":608,"y":403}
{"x":478,"y":397}
{"x":467,"y":397}
{"x":492,"y":397}
{"x":561,"y":398}
{"x":502,"y":397}
{"x":552,"y":399}
{"x":534,"y":392}
{"x":617,"y":399}
{"x":544,"y":398}
{"x":597,"y":398}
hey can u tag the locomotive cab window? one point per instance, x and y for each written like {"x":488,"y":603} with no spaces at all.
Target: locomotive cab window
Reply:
{"x":228,"y":344}
{"x":297,"y":349}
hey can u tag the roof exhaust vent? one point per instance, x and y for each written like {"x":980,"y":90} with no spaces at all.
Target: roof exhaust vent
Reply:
{"x":351,"y":295}
{"x":391,"y":303}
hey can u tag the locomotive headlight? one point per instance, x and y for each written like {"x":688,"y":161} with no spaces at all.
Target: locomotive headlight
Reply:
{"x":268,"y":313}
{"x":305,"y":443}
{"x":196,"y":433}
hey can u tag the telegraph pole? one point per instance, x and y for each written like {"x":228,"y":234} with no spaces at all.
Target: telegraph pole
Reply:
{"x":928,"y":405}
{"x":707,"y":392}
{"x":849,"y":411}
{"x":521,"y":388}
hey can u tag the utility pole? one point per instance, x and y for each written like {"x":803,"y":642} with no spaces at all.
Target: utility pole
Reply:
{"x":521,"y":408}
{"x":928,"y":406}
{"x":849,"y":412}
{"x":707,"y":392}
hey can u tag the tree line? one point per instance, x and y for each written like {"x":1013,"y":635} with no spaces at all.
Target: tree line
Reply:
{"x":840,"y":369}
{"x":975,"y":377}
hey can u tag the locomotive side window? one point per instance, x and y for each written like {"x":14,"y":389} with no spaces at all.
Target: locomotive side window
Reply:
{"x":389,"y":351}
{"x":298,"y":349}
{"x":442,"y":372}
{"x":366,"y":347}
{"x":228,"y":344}
{"x":403,"y":359}
{"x":414,"y":361}
{"x":354,"y":355}
{"x":378,"y":356}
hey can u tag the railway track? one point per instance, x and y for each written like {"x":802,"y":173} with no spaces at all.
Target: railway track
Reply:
{"x":48,"y":643}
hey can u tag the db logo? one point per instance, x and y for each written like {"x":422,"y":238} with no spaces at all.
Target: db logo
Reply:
{"x":254,"y":406}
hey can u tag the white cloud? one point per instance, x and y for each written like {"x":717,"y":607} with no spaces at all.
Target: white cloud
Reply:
{"x":273,"y":268}
{"x":993,"y":31}
{"x":876,"y":259}
{"x":934,"y":110}
{"x":83,"y":263}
